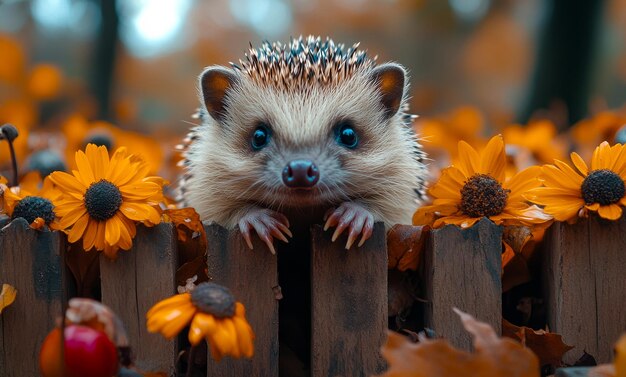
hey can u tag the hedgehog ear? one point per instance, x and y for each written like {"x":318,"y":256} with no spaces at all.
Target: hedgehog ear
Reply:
{"x":214,"y":83}
{"x":390,"y":79}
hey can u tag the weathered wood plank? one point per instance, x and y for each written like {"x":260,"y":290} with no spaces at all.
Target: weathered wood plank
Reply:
{"x":134,"y":282}
{"x":252,"y":276}
{"x":584,"y":279}
{"x":462,"y":269}
{"x":30,"y":261}
{"x":349,"y":305}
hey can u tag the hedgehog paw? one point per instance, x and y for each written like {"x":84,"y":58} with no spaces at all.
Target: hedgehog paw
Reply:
{"x":267,"y":224}
{"x":350,"y":216}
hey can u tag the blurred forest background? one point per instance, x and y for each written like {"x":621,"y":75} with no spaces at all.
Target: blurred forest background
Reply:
{"x":483,"y":64}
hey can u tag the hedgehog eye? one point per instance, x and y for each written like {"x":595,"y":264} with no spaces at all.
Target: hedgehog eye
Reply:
{"x":260,"y":137}
{"x":346,"y":135}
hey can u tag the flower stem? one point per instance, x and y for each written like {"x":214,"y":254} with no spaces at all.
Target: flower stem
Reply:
{"x":9,"y":133}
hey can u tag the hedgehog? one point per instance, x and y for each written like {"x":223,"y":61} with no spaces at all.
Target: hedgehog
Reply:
{"x":304,"y":132}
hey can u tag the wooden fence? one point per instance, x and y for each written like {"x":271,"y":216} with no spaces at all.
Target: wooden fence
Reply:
{"x":584,"y":282}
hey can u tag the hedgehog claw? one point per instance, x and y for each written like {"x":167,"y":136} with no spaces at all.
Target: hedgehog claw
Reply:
{"x":351,"y":216}
{"x":267,"y":224}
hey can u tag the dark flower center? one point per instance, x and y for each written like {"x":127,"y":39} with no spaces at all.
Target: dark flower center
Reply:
{"x":32,"y":207}
{"x":99,"y":139}
{"x":602,"y":186}
{"x":482,"y":196}
{"x":102,"y":200}
{"x":214,"y":299}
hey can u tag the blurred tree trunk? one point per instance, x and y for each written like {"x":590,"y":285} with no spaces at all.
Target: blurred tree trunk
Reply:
{"x":565,"y":57}
{"x":104,"y":58}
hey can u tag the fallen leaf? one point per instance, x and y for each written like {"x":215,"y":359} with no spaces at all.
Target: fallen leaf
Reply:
{"x":523,"y":239}
{"x":549,"y":347}
{"x":7,"y":296}
{"x":493,"y":356}
{"x":514,"y":269}
{"x":197,"y":267}
{"x":516,"y":237}
{"x":405,"y":244}
{"x":185,"y":219}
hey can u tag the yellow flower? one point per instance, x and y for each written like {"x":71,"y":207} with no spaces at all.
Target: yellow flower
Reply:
{"x":476,"y":188}
{"x":79,"y":132}
{"x":213,"y":314}
{"x":463,"y":123}
{"x":589,"y":132}
{"x":539,"y":138}
{"x":104,"y":198}
{"x":31,"y":200}
{"x":569,"y":194}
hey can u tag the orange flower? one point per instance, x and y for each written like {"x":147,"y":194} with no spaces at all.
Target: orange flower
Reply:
{"x":464,"y":123}
{"x":539,"y":138}
{"x":590,"y":132}
{"x":213,"y":314}
{"x":31,"y":201}
{"x":104,"y":198}
{"x":569,"y":194}
{"x":476,"y":188}
{"x":79,"y":132}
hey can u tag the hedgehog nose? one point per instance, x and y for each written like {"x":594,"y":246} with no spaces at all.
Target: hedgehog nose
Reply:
{"x":301,"y":174}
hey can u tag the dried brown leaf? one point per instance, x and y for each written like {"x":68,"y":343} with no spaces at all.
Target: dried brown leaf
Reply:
{"x":514,"y":269}
{"x":493,"y":356}
{"x":197,"y":267}
{"x":405,"y":244}
{"x":186,"y":220}
{"x":549,"y":347}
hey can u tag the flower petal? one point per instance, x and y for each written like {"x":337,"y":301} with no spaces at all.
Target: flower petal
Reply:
{"x":202,"y":326}
{"x":67,"y":182}
{"x":610,"y":212}
{"x":579,"y":163}
{"x":112,"y":230}
{"x":469,"y":160}
{"x":78,"y":229}
{"x":493,"y":159}
{"x":84,"y":168}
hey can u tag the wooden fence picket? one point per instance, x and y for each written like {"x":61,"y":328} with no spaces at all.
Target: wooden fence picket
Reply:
{"x":462,"y":268}
{"x":585,"y":284}
{"x":252,"y":276}
{"x":134,"y":282}
{"x":30,"y":260}
{"x":349,"y":305}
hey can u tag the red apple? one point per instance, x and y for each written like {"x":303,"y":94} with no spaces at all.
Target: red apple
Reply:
{"x":88,"y":352}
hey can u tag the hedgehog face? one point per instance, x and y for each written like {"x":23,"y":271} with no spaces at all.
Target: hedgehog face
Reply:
{"x":304,"y":124}
{"x":308,"y":146}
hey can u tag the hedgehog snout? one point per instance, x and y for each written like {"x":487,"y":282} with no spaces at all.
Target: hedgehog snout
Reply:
{"x":300,"y":174}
